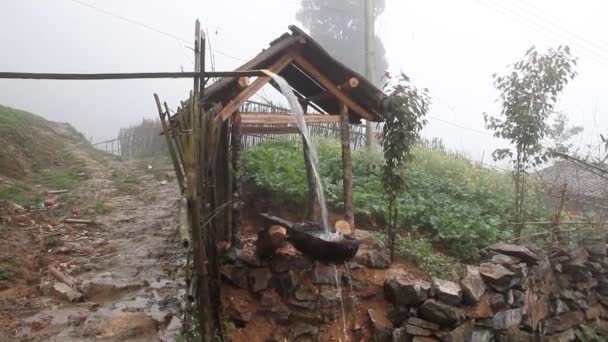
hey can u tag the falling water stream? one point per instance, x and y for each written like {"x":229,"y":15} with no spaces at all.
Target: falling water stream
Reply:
{"x":314,"y":162}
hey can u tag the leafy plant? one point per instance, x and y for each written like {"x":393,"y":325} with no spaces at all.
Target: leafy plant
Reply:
{"x":586,"y":334}
{"x":528,"y":94}
{"x":403,"y":112}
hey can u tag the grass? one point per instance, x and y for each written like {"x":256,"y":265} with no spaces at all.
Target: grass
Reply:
{"x":124,"y":183}
{"x":5,"y":275}
{"x":21,"y":193}
{"x":101,"y":208}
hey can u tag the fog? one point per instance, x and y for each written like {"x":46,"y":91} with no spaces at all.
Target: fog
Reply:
{"x":450,"y":47}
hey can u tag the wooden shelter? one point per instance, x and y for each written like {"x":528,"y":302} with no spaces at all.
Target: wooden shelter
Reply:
{"x":204,"y":140}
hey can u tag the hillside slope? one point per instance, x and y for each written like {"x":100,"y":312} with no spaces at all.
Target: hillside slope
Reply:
{"x":29,"y":143}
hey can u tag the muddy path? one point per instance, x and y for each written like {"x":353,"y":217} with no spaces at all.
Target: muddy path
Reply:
{"x":125,"y":265}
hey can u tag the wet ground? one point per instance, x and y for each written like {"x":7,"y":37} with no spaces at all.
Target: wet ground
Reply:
{"x":125,"y":265}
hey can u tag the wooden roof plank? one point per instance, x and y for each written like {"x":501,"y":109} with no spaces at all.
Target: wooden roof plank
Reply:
{"x":287,"y":118}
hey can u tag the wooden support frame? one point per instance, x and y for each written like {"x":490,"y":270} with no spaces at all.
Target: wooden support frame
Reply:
{"x":350,"y":84}
{"x":318,"y":76}
{"x":250,"y":90}
{"x":347,"y":167}
{"x":174,"y":159}
{"x":287,"y":118}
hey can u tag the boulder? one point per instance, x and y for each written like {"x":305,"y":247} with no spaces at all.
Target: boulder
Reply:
{"x":481,"y":335}
{"x":380,"y":327}
{"x":460,"y":334}
{"x":402,"y":291}
{"x":506,"y":319}
{"x":304,"y":332}
{"x":447,"y":291}
{"x":306,"y":293}
{"x":259,"y":279}
{"x":398,"y":314}
{"x":443,"y":314}
{"x":240,"y":312}
{"x":424,"y":339}
{"x":400,"y":335}
{"x":127,"y":326}
{"x":497,"y":301}
{"x":595,"y":247}
{"x":482,"y":309}
{"x":565,"y":321}
{"x":520,"y":252}
{"x":504,"y":260}
{"x":417,"y":331}
{"x":472,"y":284}
{"x":64,"y":292}
{"x":593,"y":312}
{"x":284,"y":283}
{"x":323,"y":275}
{"x":565,"y":336}
{"x":497,"y":276}
{"x":109,"y":285}
{"x":235,"y":274}
{"x":372,"y":258}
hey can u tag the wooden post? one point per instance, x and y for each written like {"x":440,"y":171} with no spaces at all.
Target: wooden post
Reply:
{"x":347,"y":166}
{"x":236,"y":179}
{"x":174,"y":160}
{"x":555,"y":225}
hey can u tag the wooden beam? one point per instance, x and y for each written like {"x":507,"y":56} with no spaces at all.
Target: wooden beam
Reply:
{"x":270,"y":130}
{"x":315,"y":74}
{"x":348,"y":85}
{"x":288,"y":118}
{"x":347,"y":167}
{"x":246,"y":93}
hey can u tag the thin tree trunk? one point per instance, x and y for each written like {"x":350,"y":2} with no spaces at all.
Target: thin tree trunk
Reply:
{"x":347,"y":167}
{"x":236,"y":179}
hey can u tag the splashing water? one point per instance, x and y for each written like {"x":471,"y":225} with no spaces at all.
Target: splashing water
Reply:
{"x":312,"y":151}
{"x":314,"y":162}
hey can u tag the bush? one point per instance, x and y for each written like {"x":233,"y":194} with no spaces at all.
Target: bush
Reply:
{"x":461,"y":206}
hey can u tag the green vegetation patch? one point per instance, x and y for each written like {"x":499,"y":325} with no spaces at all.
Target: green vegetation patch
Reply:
{"x":124,"y":183}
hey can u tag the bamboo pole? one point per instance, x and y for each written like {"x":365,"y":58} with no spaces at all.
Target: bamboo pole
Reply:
{"x":347,"y":166}
{"x":236,"y":179}
{"x":176,"y":165}
{"x":184,"y":222}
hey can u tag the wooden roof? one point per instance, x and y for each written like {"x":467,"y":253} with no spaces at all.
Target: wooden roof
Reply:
{"x":364,"y":99}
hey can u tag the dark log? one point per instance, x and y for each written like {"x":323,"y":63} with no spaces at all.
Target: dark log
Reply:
{"x":347,"y":167}
{"x":311,"y":240}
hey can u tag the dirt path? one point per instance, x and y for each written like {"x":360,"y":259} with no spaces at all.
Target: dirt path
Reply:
{"x":126,"y":264}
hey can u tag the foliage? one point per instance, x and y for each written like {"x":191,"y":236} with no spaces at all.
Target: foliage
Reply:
{"x":403,"y":114}
{"x":461,"y":206}
{"x":339,"y":26}
{"x":124,"y":183}
{"x":528,"y":94}
{"x":584,"y":333}
{"x":19,"y":192}
{"x":5,"y":275}
{"x":560,"y":134}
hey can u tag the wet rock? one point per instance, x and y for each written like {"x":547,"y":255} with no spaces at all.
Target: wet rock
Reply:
{"x":558,"y":306}
{"x":306,"y":292}
{"x":482,"y":309}
{"x":443,"y":314}
{"x":424,"y":339}
{"x":575,"y":299}
{"x":372,"y":258}
{"x":108,"y":285}
{"x":593,"y":312}
{"x":473,"y":286}
{"x":461,"y":334}
{"x":288,"y":258}
{"x":329,"y":298}
{"x":565,"y":336}
{"x":520,"y":252}
{"x":507,"y":319}
{"x":240,"y":312}
{"x":234,"y":274}
{"x":565,"y":321}
{"x":515,"y":298}
{"x":447,"y":291}
{"x":322,"y":275}
{"x":405,"y":292}
{"x":398,"y":314}
{"x":284,"y":283}
{"x":497,"y":301}
{"x":504,"y":260}
{"x":595,"y":247}
{"x":400,"y":335}
{"x":248,"y":258}
{"x":298,"y":305}
{"x":497,"y":276}
{"x":269,"y":298}
{"x":127,"y":325}
{"x":64,"y":292}
{"x":305,"y":317}
{"x":481,"y":335}
{"x":259,"y":279}
{"x":423,"y":324}
{"x":520,"y":270}
{"x":417,"y":331}
{"x":304,"y":332}
{"x":380,"y":327}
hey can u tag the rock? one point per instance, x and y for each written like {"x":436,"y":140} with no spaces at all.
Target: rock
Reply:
{"x":576,"y":299}
{"x":368,"y":238}
{"x":506,"y":319}
{"x":537,"y":308}
{"x":595,"y":247}
{"x":284,"y":283}
{"x":472,"y":284}
{"x":482,"y":309}
{"x":259,"y":279}
{"x":398,"y":314}
{"x":306,"y":293}
{"x":248,"y":258}
{"x":497,"y":301}
{"x":372,"y":258}
{"x":504,"y":260}
{"x":399,"y":335}
{"x":443,"y":314}
{"x":305,"y":317}
{"x":322,"y":275}
{"x":520,"y":270}
{"x":234,"y":274}
{"x":287,"y":258}
{"x":297,"y":305}
{"x":127,"y":326}
{"x":64,"y":292}
{"x":108,"y":285}
{"x":558,"y":306}
{"x":424,"y":339}
{"x":240,"y":312}
{"x":460,"y":334}
{"x":447,"y":291}
{"x":499,"y":277}
{"x":269,"y":298}
{"x":329,"y":298}
{"x":593,"y":312}
{"x":304,"y":330}
{"x":417,"y":331}
{"x":405,"y":292}
{"x":481,"y":335}
{"x":520,"y":252}
{"x":565,"y":336}
{"x":565,"y":321}
{"x":423,"y":324}
{"x":380,"y":327}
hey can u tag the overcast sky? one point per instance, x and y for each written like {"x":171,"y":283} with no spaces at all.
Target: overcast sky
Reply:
{"x":450,"y":47}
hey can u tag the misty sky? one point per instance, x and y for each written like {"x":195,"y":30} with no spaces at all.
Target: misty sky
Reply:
{"x":450,"y":47}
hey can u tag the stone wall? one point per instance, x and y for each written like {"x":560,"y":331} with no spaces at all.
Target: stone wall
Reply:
{"x":515,"y":296}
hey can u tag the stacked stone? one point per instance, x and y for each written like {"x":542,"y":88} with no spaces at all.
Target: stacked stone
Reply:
{"x":515,"y":296}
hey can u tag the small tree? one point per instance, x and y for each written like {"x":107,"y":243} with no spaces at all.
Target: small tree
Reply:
{"x":560,"y":134}
{"x":403,"y":112}
{"x":528,"y":95}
